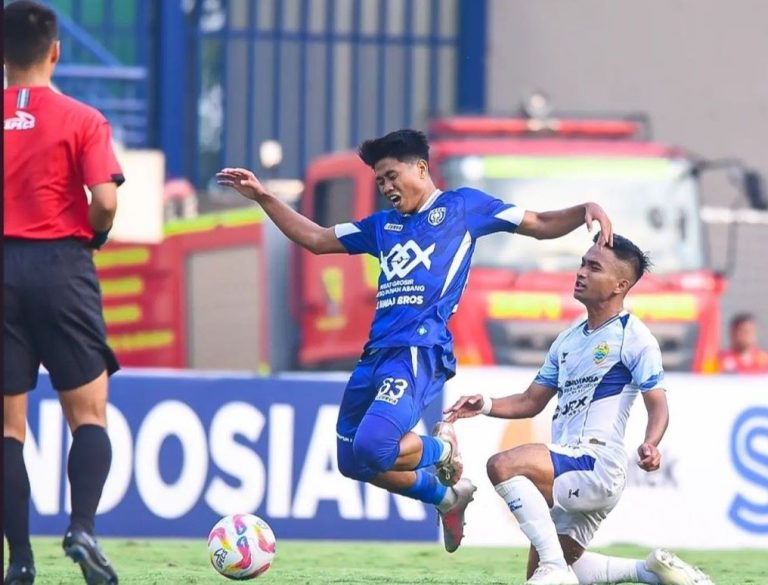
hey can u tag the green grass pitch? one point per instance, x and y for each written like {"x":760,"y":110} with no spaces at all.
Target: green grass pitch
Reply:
{"x":185,"y":562}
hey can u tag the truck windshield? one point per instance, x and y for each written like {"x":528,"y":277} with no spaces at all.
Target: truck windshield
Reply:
{"x":652,"y":201}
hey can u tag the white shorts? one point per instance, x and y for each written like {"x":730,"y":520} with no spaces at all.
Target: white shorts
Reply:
{"x":588,"y":483}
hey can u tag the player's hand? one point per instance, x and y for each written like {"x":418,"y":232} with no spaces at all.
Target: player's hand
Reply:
{"x":650,"y":457}
{"x":593,"y":212}
{"x":465,"y":407}
{"x":243,"y":181}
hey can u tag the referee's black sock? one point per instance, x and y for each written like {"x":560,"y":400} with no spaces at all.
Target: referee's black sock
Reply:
{"x":88,"y":466}
{"x":16,"y":502}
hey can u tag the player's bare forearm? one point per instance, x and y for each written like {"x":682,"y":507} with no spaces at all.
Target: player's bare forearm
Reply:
{"x":299,"y":229}
{"x":525,"y":405}
{"x":548,"y":225}
{"x":658,"y":415}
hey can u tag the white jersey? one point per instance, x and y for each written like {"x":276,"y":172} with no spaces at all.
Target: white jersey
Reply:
{"x":597,"y":375}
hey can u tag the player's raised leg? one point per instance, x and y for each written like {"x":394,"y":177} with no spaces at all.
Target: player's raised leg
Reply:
{"x":523,"y":477}
{"x":382,"y":402}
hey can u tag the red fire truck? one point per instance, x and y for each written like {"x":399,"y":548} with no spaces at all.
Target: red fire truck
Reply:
{"x":188,"y":301}
{"x":519,"y":294}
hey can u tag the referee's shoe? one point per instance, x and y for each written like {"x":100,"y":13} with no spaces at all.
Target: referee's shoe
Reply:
{"x":82,"y":548}
{"x":20,"y":574}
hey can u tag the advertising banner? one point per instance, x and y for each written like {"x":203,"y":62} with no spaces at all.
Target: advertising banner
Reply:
{"x":190,"y":448}
{"x":711,"y":490}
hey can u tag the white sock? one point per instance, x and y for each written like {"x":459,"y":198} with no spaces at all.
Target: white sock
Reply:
{"x":532,"y":513}
{"x":593,"y":568}
{"x":449,"y":499}
{"x":446,"y":452}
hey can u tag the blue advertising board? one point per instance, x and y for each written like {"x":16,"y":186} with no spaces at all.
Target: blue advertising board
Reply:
{"x":190,"y":448}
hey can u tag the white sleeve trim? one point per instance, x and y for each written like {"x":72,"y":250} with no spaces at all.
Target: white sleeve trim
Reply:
{"x":345,"y":229}
{"x":458,"y":258}
{"x":512,"y":215}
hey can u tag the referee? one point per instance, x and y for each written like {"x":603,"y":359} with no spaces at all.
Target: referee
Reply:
{"x":54,"y":146}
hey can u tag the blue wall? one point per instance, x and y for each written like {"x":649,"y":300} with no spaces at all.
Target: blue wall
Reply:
{"x":189,"y":449}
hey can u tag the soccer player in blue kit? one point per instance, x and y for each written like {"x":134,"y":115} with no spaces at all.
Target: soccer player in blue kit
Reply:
{"x":424,"y":246}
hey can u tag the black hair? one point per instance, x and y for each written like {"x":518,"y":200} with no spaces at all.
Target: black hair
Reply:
{"x":29,"y":30}
{"x":626,"y":251}
{"x":403,"y":145}
{"x":740,"y":318}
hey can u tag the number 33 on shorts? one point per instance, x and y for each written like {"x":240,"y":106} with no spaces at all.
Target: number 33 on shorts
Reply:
{"x":391,"y":390}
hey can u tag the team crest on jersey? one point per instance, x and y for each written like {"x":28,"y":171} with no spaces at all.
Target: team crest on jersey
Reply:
{"x":436,"y":216}
{"x":601,"y":352}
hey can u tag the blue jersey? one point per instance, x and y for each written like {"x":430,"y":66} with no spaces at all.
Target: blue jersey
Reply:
{"x":424,"y":259}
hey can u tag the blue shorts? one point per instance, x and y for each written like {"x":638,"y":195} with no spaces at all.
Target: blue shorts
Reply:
{"x":394,"y":383}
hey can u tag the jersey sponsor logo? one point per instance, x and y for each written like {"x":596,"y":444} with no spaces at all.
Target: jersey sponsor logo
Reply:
{"x":21,"y":121}
{"x":391,"y":390}
{"x":403,"y":258}
{"x":393,"y":227}
{"x":581,"y":381}
{"x":436,"y":216}
{"x":601,"y":352}
{"x":571,"y":407}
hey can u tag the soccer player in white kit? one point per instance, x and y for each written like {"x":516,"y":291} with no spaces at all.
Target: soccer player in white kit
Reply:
{"x":560,"y":492}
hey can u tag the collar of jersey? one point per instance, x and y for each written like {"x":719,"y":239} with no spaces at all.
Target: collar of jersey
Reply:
{"x":608,"y":322}
{"x":428,"y":203}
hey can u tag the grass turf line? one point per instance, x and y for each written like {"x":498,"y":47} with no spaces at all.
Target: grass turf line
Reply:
{"x":185,"y":562}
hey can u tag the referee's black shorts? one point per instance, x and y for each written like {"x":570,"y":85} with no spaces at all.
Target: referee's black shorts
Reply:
{"x":53,"y":315}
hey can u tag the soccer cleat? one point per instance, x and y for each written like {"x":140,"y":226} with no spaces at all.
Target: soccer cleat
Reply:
{"x":449,"y":472}
{"x":672,"y":570}
{"x":82,"y":548}
{"x":453,"y":519}
{"x":20,"y":574}
{"x":550,"y":575}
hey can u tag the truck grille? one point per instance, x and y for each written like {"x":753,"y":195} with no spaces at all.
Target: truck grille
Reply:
{"x":526,"y":343}
{"x":522,"y":343}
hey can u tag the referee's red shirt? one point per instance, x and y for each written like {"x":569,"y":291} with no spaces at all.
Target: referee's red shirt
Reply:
{"x":53,"y":147}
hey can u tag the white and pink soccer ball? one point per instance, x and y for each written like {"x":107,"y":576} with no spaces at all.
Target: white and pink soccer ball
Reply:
{"x":241,"y":546}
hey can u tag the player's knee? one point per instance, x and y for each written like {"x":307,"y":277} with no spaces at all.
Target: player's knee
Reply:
{"x":348,"y":467}
{"x":493,"y":468}
{"x":375,"y":451}
{"x":501,"y":467}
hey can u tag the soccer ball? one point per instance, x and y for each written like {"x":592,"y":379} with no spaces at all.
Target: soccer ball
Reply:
{"x":241,"y":546}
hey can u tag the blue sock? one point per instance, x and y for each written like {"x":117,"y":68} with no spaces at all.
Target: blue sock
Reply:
{"x":431,"y":451}
{"x":426,"y":489}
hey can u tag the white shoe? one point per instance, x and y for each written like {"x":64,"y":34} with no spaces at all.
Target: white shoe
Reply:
{"x":672,"y":570}
{"x":453,"y":518}
{"x":549,"y":575}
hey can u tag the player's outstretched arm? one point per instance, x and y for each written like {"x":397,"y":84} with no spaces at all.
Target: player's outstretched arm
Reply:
{"x":548,"y":225}
{"x":302,"y":230}
{"x":658,"y":418}
{"x":525,"y":405}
